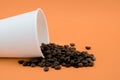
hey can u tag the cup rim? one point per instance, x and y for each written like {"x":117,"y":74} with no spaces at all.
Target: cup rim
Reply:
{"x":39,"y":10}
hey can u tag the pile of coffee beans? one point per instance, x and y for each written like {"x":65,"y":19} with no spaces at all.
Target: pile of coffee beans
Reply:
{"x":58,"y":55}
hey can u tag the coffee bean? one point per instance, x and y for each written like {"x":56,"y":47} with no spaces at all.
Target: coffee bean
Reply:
{"x":53,"y":65}
{"x":46,"y":69}
{"x":75,"y":66}
{"x":34,"y":60}
{"x":66,"y":46}
{"x":57,"y":67}
{"x":84,"y":61}
{"x":72,"y":62}
{"x":93,"y":58}
{"x":56,"y":62}
{"x":67,"y":65}
{"x":24,"y":63}
{"x":84,"y":54}
{"x":33,"y":65}
{"x":20,"y":61}
{"x":80,"y":64}
{"x":28,"y":63}
{"x":91,"y":64}
{"x":88,"y":47}
{"x":63,"y":64}
{"x":89,"y":60}
{"x":41,"y":64}
{"x":47,"y":64}
{"x":72,"y":44}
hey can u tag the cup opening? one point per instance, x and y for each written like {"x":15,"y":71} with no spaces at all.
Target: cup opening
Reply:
{"x":42,"y":29}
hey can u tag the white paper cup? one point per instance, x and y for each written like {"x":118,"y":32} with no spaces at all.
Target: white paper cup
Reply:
{"x":22,"y":35}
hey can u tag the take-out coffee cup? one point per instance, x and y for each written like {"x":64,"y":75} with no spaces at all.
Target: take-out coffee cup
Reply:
{"x":22,"y":35}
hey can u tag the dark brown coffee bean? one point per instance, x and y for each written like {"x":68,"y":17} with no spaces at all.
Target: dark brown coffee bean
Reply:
{"x":28,"y":63}
{"x":93,"y":58}
{"x":66,"y":46}
{"x":42,"y":65}
{"x":89,"y":60}
{"x":72,"y":62}
{"x":63,"y":64}
{"x":33,"y":65}
{"x":24,"y":63}
{"x":20,"y":61}
{"x":51,"y":60}
{"x":80,"y":64}
{"x":53,"y":65}
{"x":88,"y":47}
{"x":84,"y":61}
{"x":47,"y":64}
{"x":84,"y":54}
{"x":91,"y":64}
{"x":58,"y":67}
{"x":34,"y":60}
{"x":72,"y":44}
{"x":56,"y":62}
{"x":75,"y":66}
{"x":46,"y":69}
{"x":67,"y":65}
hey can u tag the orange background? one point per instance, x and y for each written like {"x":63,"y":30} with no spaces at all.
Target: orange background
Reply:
{"x":85,"y":22}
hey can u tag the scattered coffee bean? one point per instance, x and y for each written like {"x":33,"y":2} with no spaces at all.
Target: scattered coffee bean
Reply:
{"x":57,"y":67}
{"x":72,"y":44}
{"x":80,"y":64}
{"x":58,"y":55}
{"x":20,"y":61}
{"x":33,"y":65}
{"x":24,"y":63}
{"x":46,"y":69}
{"x":88,"y":47}
{"x":93,"y":58}
{"x":28,"y":63}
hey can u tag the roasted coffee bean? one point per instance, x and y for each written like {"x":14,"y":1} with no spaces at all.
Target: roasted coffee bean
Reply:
{"x":53,"y":65}
{"x":72,"y":44}
{"x":68,"y":65}
{"x":75,"y":66}
{"x":24,"y":63}
{"x":33,"y":65}
{"x":80,"y":64}
{"x":28,"y":63}
{"x":47,"y":64}
{"x":56,"y":62}
{"x":89,"y":60}
{"x":41,"y":64}
{"x":88,"y":47}
{"x":34,"y":60}
{"x":90,"y":55}
{"x":63,"y":64}
{"x":84,"y":54}
{"x":66,"y":46}
{"x":91,"y":64}
{"x":84,"y":61}
{"x":51,"y":60}
{"x":58,"y":67}
{"x":48,"y":56}
{"x":59,"y":51}
{"x":72,"y":62}
{"x":20,"y":61}
{"x":46,"y":69}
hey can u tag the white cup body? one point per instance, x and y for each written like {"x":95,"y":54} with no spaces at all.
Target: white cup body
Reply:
{"x":22,"y":35}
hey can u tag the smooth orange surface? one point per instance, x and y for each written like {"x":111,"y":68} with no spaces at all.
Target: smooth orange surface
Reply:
{"x":85,"y":22}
